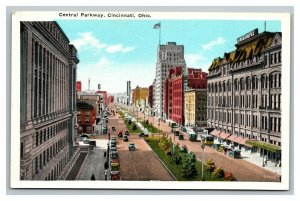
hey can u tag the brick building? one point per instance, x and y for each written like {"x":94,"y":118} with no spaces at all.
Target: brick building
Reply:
{"x":175,"y":85}
{"x":86,"y":116}
{"x":78,"y":86}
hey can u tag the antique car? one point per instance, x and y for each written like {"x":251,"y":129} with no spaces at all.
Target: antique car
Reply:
{"x":235,"y":153}
{"x":125,"y":138}
{"x":131,"y":147}
{"x":180,"y":137}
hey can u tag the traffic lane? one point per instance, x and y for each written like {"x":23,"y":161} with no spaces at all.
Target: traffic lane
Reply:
{"x":141,"y":164}
{"x":241,"y":169}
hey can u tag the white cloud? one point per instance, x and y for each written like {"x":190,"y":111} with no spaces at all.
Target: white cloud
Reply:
{"x":192,"y":60}
{"x":118,"y":48}
{"x":87,"y":39}
{"x":211,"y":44}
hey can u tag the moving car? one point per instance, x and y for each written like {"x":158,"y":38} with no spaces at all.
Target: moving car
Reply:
{"x":120,"y":134}
{"x":125,"y":138}
{"x":131,"y":147}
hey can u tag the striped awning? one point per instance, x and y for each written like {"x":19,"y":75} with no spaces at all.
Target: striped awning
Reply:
{"x":237,"y":139}
{"x":231,"y":137}
{"x":223,"y":135}
{"x":215,"y":133}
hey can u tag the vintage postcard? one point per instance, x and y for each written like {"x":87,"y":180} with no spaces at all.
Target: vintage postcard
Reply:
{"x":150,"y":100}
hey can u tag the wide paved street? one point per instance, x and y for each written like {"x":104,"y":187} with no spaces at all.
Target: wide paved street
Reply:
{"x":141,"y":164}
{"x":241,"y":169}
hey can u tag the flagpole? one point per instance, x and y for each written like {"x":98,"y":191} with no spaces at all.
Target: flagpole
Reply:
{"x":159,"y":32}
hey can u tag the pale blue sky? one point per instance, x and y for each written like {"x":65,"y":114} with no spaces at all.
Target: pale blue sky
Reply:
{"x":112,"y":51}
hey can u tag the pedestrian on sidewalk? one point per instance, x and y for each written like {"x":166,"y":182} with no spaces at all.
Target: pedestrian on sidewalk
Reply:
{"x":104,"y":154}
{"x":105,"y":165}
{"x":93,"y":177}
{"x":105,"y":174}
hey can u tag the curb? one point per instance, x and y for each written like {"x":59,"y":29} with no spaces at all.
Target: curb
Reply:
{"x":161,"y":161}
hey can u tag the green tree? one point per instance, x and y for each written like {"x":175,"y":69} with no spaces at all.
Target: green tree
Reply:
{"x":176,"y":159}
{"x":218,"y":172}
{"x":188,"y":168}
{"x":210,"y":165}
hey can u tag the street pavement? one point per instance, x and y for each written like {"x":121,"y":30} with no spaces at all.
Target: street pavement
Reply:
{"x":141,"y":164}
{"x":242,"y":169}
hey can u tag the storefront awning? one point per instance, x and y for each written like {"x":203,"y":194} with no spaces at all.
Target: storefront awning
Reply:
{"x":215,"y":133}
{"x":223,"y":135}
{"x":243,"y":142}
{"x":231,"y":137}
{"x":237,"y":139}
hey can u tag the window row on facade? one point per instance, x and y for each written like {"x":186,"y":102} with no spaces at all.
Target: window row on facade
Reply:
{"x":56,"y":170}
{"x":273,"y":123}
{"x":272,"y":101}
{"x":45,"y":134}
{"x":248,"y":83}
{"x":45,"y":157}
{"x":50,"y":81}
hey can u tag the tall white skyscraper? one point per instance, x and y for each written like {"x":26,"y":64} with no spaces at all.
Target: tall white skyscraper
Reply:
{"x":168,"y":56}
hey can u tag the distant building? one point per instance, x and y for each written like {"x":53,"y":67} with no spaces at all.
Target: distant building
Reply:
{"x":128,"y":91}
{"x":86,"y":116}
{"x":78,"y":86}
{"x":244,"y":94}
{"x":168,"y":56}
{"x":92,"y":98}
{"x":195,"y":110}
{"x":110,"y":99}
{"x":47,"y":100}
{"x":150,"y":96}
{"x":140,"y":98}
{"x":103,"y":99}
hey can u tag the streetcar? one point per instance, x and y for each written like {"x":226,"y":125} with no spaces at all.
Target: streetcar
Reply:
{"x":207,"y":139}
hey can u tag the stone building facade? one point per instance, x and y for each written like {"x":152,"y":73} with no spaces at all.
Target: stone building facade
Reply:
{"x":168,"y":56}
{"x":244,"y":92}
{"x":47,"y":100}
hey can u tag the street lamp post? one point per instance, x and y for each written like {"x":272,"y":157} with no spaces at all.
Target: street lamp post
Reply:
{"x":202,"y":146}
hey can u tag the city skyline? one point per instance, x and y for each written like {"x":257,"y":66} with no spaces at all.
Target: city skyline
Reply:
{"x":113,"y":49}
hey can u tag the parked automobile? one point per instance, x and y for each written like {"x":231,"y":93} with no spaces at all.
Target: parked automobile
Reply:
{"x":183,"y":128}
{"x":126,"y":133}
{"x":235,"y":153}
{"x":216,"y":146}
{"x":113,"y":148}
{"x":180,"y":137}
{"x":131,"y":147}
{"x":114,"y":155}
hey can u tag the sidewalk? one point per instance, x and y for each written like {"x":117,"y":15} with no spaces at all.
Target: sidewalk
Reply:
{"x":257,"y":160}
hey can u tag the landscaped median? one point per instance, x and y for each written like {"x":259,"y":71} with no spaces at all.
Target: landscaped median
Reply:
{"x":183,"y":164}
{"x":131,"y":126}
